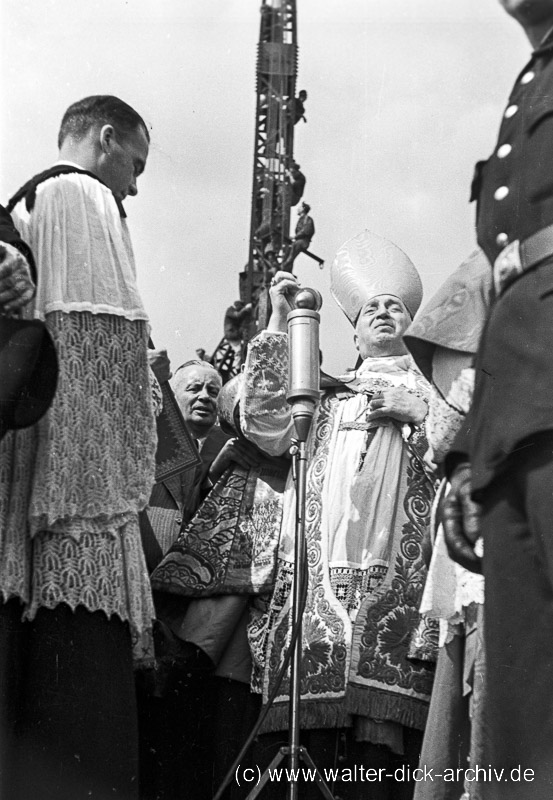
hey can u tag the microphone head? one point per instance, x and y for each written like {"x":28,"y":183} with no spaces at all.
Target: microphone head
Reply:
{"x":308,"y":298}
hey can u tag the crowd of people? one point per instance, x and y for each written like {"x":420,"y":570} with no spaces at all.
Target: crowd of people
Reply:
{"x":145,"y":622}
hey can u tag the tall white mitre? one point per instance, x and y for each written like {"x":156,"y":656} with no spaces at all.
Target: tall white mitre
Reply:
{"x":369,"y":265}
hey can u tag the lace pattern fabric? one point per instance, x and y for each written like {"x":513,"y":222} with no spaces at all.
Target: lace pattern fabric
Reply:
{"x":462,"y":389}
{"x":95,"y":458}
{"x":72,"y":485}
{"x":450,"y":589}
{"x":442,"y":424}
{"x":351,"y":585}
{"x":101,"y":572}
{"x":445,"y":417}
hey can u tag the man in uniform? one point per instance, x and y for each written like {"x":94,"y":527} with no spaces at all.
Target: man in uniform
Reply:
{"x":504,"y":454}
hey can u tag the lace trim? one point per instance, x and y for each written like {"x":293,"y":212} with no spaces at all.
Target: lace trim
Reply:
{"x":352,"y":585}
{"x":99,"y":572}
{"x":83,"y":250}
{"x":462,"y":389}
{"x":442,"y":424}
{"x":470,"y":586}
{"x":87,"y":466}
{"x":95,"y":461}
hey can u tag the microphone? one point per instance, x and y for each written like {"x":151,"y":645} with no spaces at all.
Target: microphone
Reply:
{"x":303,"y":359}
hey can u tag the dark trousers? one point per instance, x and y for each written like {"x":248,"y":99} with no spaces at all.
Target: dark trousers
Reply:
{"x":517,"y":525}
{"x":68,"y":726}
{"x":298,"y":246}
{"x":175,"y":755}
{"x":190,"y":736}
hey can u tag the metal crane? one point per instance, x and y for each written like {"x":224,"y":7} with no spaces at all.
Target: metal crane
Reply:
{"x":277,"y":59}
{"x":277,"y":110}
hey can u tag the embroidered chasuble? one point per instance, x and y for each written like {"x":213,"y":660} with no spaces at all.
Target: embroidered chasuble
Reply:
{"x":365,"y":652}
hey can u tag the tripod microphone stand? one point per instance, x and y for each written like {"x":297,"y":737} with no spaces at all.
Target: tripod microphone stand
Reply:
{"x":303,"y":394}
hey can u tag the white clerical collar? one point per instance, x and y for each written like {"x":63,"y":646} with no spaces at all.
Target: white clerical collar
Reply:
{"x":64,"y":162}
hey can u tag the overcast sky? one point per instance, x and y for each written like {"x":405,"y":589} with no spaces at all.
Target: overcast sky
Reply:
{"x":404,"y":97}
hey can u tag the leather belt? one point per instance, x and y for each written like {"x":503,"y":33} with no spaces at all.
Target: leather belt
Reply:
{"x":518,"y":257}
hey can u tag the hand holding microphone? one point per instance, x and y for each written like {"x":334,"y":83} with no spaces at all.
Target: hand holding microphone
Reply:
{"x":303,"y":359}
{"x":295,"y":310}
{"x":283,"y":288}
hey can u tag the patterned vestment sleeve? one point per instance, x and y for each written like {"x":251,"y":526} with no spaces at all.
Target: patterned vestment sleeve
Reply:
{"x":265,"y":416}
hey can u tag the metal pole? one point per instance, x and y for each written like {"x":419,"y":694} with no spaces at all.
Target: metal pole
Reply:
{"x":300,"y":457}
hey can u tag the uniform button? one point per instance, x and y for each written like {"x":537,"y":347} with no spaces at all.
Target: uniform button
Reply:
{"x":504,"y":150}
{"x":178,"y":521}
{"x":501,"y":193}
{"x":510,"y":111}
{"x":502,"y":240}
{"x":527,"y":77}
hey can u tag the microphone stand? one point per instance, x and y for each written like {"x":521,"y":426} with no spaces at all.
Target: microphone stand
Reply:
{"x":303,"y":394}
